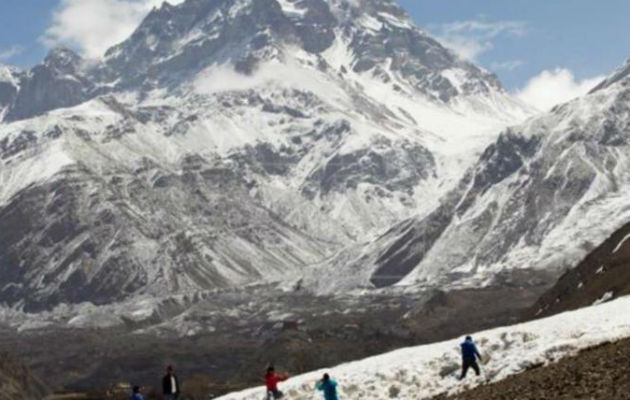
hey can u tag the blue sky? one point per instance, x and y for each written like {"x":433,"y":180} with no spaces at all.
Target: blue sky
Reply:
{"x":523,"y":41}
{"x":589,"y":37}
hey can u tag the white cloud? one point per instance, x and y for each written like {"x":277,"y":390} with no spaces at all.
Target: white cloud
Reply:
{"x":486,"y":28}
{"x":468,"y":48}
{"x":552,"y":87}
{"x":507,"y":65}
{"x":223,"y":78}
{"x":471,"y":38}
{"x":92,"y":26}
{"x":11,"y":52}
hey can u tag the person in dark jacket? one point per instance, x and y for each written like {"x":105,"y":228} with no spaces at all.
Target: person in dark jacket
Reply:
{"x":170,"y":384}
{"x":328,"y":386}
{"x":271,"y":382}
{"x":135,"y":393}
{"x":470,"y":354}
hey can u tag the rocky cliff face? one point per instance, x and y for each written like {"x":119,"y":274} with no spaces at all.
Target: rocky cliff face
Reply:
{"x":57,"y":82}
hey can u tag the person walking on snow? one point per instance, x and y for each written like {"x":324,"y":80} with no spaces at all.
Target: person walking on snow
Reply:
{"x":271,"y":382}
{"x":328,"y":386}
{"x":470,"y":354}
{"x":170,"y":385}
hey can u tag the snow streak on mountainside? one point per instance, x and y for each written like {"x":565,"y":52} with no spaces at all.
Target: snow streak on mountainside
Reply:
{"x":426,"y":371}
{"x":541,"y":197}
{"x":227,"y":142}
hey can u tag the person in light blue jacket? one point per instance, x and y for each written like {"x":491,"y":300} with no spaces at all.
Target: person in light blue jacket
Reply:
{"x":328,"y":386}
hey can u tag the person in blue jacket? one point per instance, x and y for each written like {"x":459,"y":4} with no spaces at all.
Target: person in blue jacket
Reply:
{"x":328,"y":386}
{"x":470,"y":354}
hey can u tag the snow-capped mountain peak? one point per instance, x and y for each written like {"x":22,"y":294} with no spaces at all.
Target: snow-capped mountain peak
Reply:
{"x":61,"y":80}
{"x":379,"y":37}
{"x":63,"y":59}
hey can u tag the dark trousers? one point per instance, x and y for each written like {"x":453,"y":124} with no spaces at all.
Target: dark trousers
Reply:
{"x":467,"y":363}
{"x":274,"y":394}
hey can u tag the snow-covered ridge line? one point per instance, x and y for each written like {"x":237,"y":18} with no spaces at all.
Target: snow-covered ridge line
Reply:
{"x":426,"y":371}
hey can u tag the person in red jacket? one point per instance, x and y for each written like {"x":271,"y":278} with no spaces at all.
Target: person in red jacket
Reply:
{"x":271,"y":381}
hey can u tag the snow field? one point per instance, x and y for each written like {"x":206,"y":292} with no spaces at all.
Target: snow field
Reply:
{"x":425,"y":371}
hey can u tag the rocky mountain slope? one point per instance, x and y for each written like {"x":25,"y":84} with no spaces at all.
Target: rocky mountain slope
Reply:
{"x":602,"y":276}
{"x":540,"y":198}
{"x":229,"y":142}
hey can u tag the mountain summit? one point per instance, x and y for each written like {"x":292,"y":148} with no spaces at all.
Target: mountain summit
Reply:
{"x":365,"y":36}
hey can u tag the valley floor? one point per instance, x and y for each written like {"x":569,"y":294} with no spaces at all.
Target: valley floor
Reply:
{"x":233,"y":357}
{"x":599,"y":373}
